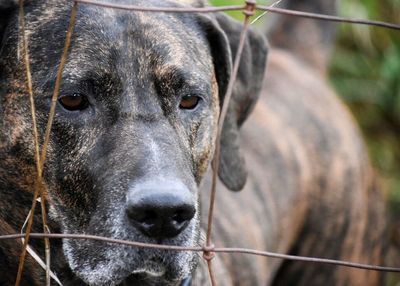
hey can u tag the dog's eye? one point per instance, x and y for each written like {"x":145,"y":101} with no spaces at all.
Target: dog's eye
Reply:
{"x":74,"y":102}
{"x":189,"y":102}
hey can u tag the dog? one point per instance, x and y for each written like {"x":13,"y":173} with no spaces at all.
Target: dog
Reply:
{"x":133,"y":138}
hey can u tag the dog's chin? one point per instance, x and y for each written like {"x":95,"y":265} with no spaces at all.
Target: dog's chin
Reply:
{"x":155,"y":274}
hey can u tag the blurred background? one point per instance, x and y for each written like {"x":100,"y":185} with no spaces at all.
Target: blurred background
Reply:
{"x":365,"y":72}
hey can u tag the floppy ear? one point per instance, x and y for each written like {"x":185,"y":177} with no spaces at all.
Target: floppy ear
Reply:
{"x":224,"y":40}
{"x":232,"y":170}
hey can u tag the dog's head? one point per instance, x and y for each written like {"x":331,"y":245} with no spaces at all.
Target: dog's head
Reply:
{"x":134,"y":129}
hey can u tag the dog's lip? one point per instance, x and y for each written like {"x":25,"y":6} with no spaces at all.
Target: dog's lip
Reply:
{"x":147,"y":278}
{"x":147,"y":275}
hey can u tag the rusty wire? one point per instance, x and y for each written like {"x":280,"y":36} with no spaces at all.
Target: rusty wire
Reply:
{"x":240,"y":8}
{"x":248,"y":12}
{"x":203,"y":248}
{"x":209,"y":249}
{"x":328,"y":17}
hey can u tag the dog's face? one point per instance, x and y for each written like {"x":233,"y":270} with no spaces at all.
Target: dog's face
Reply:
{"x":134,"y":129}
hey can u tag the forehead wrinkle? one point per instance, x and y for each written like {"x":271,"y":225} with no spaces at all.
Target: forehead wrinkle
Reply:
{"x":158,"y":29}
{"x":104,"y":30}
{"x":101,"y":28}
{"x":179,"y":34}
{"x":94,"y":43}
{"x":156,"y":46}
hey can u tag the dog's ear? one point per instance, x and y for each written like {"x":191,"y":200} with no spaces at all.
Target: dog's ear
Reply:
{"x":232,"y":170}
{"x":224,"y":41}
{"x":7,"y":9}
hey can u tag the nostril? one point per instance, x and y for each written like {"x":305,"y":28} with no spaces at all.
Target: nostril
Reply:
{"x":144,"y":218}
{"x":183,"y":214}
{"x":178,"y":218}
{"x":161,"y":221}
{"x":148,"y":217}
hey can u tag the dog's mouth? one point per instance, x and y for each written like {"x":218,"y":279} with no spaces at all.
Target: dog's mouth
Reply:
{"x":147,"y":279}
{"x":129,"y":266}
{"x":158,"y":275}
{"x":99,"y":263}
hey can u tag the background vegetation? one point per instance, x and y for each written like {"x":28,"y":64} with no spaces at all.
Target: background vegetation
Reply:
{"x":365,"y":71}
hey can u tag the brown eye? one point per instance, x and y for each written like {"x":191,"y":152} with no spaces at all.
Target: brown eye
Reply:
{"x":74,"y":102}
{"x":189,"y":102}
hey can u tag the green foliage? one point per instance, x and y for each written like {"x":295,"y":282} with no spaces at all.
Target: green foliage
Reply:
{"x":235,"y":14}
{"x":365,"y":70}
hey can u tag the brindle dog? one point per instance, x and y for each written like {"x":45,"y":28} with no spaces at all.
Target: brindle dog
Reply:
{"x":133,"y":137}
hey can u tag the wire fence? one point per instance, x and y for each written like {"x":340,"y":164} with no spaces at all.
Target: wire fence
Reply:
{"x":208,"y":250}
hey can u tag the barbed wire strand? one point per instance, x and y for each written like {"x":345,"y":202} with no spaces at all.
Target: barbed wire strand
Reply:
{"x":240,"y":8}
{"x":328,"y":17}
{"x":38,"y":186}
{"x":236,"y":250}
{"x":162,"y":9}
{"x":248,"y":12}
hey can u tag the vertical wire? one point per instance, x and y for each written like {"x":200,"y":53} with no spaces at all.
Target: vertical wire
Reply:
{"x":249,"y":11}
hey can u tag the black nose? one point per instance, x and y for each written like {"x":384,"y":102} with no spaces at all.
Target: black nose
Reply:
{"x":162,"y":213}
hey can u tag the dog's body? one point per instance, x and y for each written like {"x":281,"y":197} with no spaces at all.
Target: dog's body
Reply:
{"x":307,"y":193}
{"x":119,"y":163}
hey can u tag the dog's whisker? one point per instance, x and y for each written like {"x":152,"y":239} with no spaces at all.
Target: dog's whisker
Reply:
{"x":276,"y":3}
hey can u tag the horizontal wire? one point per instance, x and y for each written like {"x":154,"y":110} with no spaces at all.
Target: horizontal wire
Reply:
{"x":202,"y":249}
{"x":240,"y":8}
{"x":162,"y":9}
{"x":328,"y":17}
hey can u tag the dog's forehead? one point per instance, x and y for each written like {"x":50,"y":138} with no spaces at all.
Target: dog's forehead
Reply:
{"x":140,"y":41}
{"x":106,"y":38}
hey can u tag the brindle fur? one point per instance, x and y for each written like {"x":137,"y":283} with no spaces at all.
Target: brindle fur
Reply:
{"x":309,"y":190}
